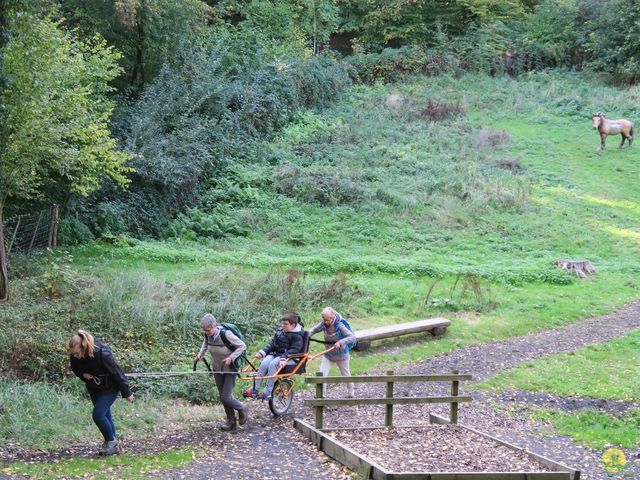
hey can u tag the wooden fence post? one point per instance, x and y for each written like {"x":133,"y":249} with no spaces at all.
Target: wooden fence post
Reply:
{"x":388,"y":418}
{"x":454,"y":393}
{"x":319,"y":408}
{"x":53,"y":227}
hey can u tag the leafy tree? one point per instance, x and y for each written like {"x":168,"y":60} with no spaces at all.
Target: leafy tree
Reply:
{"x":614,"y":39}
{"x":145,"y":31}
{"x":53,"y":115}
{"x":552,"y":32}
{"x":403,"y":22}
{"x":201,"y":115}
{"x":273,"y":25}
{"x":284,"y":28}
{"x":318,"y":19}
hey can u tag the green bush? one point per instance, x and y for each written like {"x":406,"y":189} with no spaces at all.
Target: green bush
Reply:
{"x":392,"y":65}
{"x":552,"y":33}
{"x":613,"y":40}
{"x":72,"y":231}
{"x":217,"y":223}
{"x":323,"y":188}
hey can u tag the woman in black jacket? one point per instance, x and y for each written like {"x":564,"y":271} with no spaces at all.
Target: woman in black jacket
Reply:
{"x":93,"y":362}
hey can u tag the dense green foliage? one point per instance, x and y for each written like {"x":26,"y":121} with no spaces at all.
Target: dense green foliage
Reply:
{"x":440,"y":168}
{"x":208,"y":108}
{"x":201,"y":84}
{"x":55,"y":110}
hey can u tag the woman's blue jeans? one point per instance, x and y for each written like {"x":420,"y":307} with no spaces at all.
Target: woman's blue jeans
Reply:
{"x":102,"y":402}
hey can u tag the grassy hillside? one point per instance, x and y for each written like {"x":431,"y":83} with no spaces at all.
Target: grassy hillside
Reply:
{"x":376,"y":208}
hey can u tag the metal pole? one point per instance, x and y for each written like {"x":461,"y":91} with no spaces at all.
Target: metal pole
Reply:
{"x":35,"y":231}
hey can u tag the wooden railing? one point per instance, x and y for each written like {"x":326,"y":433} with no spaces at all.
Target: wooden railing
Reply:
{"x":319,"y":402}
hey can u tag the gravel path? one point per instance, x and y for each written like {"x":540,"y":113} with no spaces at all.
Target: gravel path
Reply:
{"x":272,"y":449}
{"x":484,"y":361}
{"x":267,"y":449}
{"x":506,"y":415}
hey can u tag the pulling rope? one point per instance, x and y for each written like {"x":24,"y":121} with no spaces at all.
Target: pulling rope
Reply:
{"x":175,"y":374}
{"x":209,"y":371}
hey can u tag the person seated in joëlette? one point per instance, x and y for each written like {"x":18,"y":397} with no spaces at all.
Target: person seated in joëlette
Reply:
{"x":288,"y":341}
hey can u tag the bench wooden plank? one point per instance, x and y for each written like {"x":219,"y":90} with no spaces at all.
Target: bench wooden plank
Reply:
{"x":364,"y":337}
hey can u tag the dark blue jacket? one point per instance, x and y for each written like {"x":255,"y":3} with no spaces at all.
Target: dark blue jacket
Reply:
{"x":285,"y":344}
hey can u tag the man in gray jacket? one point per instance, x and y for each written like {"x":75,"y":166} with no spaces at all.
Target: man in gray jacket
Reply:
{"x":336,"y":332}
{"x":222,"y":358}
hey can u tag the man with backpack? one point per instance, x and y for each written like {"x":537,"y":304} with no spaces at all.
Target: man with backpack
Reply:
{"x":225,"y":347}
{"x":338,"y":332}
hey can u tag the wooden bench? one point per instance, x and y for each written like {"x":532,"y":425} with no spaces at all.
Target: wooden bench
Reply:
{"x":436,"y":326}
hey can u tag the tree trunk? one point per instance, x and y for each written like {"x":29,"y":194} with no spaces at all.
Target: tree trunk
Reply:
{"x":137,"y":76}
{"x":4,"y":276}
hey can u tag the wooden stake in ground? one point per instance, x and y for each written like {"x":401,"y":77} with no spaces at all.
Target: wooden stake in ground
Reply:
{"x":4,"y":277}
{"x":582,"y":268}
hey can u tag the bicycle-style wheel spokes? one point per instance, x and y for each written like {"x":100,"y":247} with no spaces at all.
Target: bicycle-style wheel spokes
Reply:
{"x":282,"y":397}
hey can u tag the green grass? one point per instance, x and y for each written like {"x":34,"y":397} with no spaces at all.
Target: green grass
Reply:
{"x":25,"y":423}
{"x":607,"y":371}
{"x":595,"y":429}
{"x":120,"y":466}
{"x":413,"y":205}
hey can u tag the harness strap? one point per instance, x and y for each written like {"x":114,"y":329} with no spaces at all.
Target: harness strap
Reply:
{"x":321,"y":341}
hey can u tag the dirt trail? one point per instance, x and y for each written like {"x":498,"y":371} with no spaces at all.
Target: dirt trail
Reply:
{"x":272,"y":449}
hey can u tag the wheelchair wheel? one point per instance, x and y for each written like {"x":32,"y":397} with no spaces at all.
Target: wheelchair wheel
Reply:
{"x":282,"y":397}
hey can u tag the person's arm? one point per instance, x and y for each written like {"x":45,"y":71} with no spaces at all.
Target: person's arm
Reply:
{"x":76,"y":367}
{"x":110,"y":365}
{"x":265,"y":351}
{"x":317,"y":328}
{"x":203,"y":348}
{"x":348,"y":337}
{"x":240,"y":346}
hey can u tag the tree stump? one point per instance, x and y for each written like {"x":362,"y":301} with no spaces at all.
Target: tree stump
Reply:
{"x":582,"y":268}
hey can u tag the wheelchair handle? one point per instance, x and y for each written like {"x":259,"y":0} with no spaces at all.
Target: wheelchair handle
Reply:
{"x":195,"y":364}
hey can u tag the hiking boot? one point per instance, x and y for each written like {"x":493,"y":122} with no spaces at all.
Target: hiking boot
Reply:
{"x":112,"y":447}
{"x":262,"y":396}
{"x":103,"y":448}
{"x":250,"y":393}
{"x":243,"y":415}
{"x":229,"y":425}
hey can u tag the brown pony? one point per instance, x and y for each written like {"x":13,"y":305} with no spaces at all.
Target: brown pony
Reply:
{"x":612,"y":127}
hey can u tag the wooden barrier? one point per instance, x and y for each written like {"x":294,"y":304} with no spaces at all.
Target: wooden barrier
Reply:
{"x":389,"y":400}
{"x":369,"y":469}
{"x":436,"y":326}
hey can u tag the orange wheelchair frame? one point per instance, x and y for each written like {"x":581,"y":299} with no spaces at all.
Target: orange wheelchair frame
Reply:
{"x":283,"y":388}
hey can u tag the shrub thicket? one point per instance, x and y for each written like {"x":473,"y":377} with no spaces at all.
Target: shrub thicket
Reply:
{"x":199,"y":118}
{"x":153,"y":324}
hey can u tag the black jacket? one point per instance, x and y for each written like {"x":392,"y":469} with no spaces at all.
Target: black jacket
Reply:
{"x":285,"y":344}
{"x":104,"y":368}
